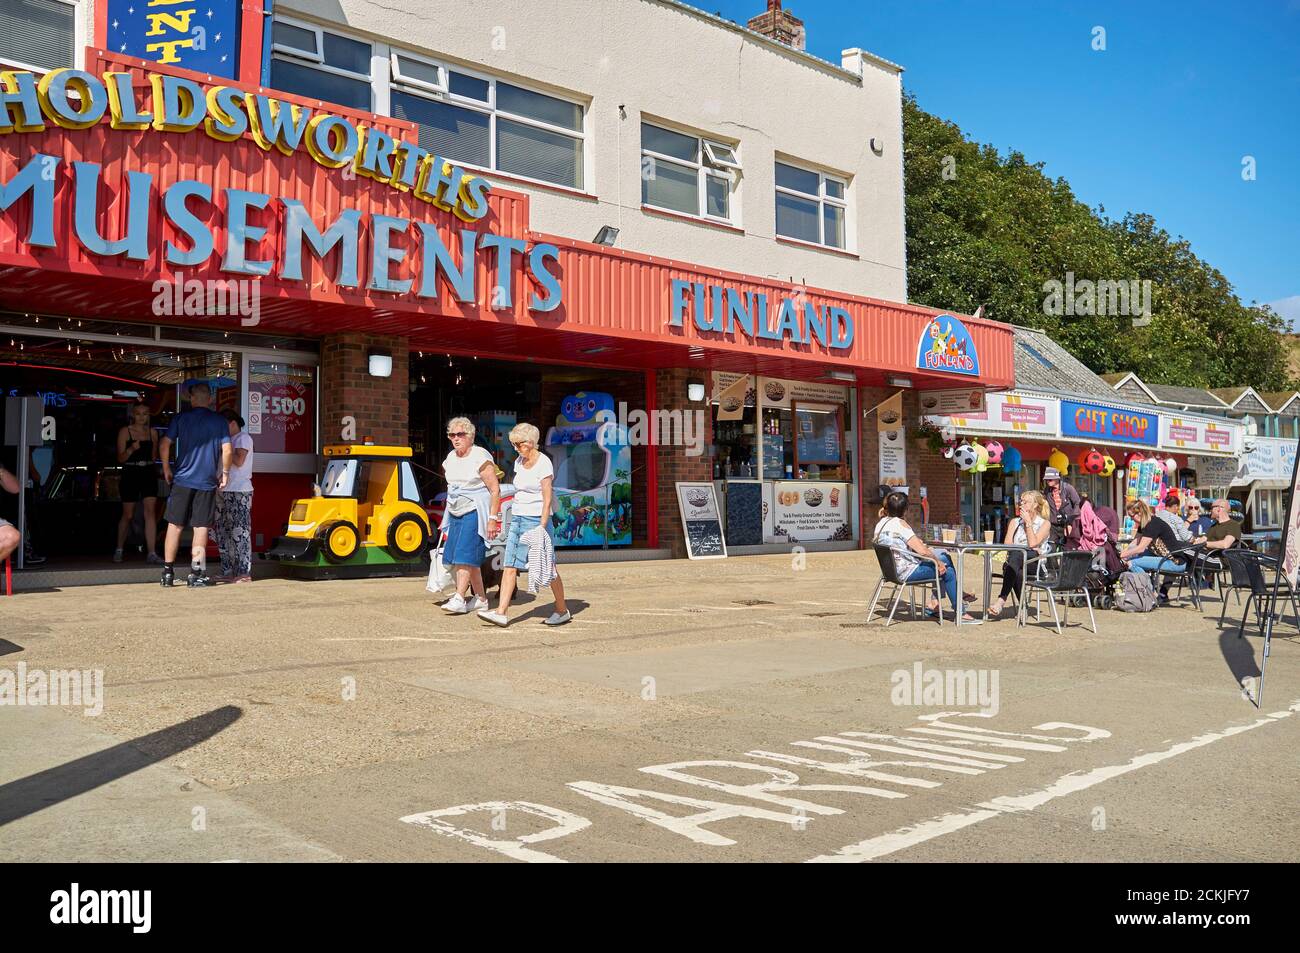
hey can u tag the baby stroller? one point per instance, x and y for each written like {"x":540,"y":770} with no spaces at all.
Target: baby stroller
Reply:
{"x":1096,"y":530}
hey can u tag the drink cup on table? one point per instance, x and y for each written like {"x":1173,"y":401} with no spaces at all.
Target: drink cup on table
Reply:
{"x":988,"y":536}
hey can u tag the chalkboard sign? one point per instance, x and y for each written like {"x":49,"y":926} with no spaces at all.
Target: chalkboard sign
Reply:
{"x":818,"y":434}
{"x":701,"y":521}
{"x":744,"y":514}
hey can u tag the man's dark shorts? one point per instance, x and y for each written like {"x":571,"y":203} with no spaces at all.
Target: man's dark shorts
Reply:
{"x":186,"y":507}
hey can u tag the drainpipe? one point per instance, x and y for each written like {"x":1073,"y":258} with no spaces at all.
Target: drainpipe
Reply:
{"x":268,"y":11}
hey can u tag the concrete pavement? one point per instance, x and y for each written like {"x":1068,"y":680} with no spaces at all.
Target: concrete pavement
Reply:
{"x":356,"y":721}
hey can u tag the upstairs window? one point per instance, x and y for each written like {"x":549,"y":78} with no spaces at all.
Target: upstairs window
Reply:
{"x":490,"y":123}
{"x":40,"y":34}
{"x":687,"y":174}
{"x":810,"y":206}
{"x":310,"y":61}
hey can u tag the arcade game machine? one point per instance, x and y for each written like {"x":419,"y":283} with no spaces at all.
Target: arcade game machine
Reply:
{"x":593,"y":473}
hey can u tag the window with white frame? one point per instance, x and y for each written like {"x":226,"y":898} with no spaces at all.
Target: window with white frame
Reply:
{"x":687,"y":174}
{"x":487,"y":122}
{"x":38,"y":33}
{"x":811,"y":206}
{"x":311,"y":61}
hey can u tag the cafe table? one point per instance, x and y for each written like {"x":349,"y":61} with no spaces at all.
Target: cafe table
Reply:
{"x":988,"y":549}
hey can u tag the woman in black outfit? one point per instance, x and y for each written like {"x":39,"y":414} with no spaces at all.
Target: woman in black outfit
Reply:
{"x":135,"y":452}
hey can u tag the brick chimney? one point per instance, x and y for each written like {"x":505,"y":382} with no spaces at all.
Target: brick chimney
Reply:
{"x":781,"y":25}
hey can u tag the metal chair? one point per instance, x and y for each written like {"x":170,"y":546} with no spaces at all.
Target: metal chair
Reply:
{"x":1247,"y":568}
{"x":1069,"y":578}
{"x":889,"y":574}
{"x":1185,"y":571}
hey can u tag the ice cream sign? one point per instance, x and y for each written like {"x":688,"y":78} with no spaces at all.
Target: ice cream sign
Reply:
{"x":1109,"y":424}
{"x":946,"y":346}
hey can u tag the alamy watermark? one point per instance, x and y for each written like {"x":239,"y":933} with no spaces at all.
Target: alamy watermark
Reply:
{"x":950,"y":688}
{"x":68,"y":688}
{"x":1087,"y":298}
{"x":213,"y":297}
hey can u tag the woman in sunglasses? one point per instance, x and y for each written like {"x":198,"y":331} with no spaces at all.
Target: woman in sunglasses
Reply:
{"x":472,"y":515}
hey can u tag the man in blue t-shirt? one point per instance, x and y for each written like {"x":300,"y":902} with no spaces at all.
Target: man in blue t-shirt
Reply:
{"x":203,"y":458}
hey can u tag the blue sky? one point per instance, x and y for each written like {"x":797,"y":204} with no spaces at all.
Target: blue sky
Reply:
{"x":1158,"y":122}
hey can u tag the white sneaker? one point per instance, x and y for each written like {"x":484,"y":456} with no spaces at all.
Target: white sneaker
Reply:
{"x":475,"y":604}
{"x":496,"y":618}
{"x":558,"y":618}
{"x":456,"y":605}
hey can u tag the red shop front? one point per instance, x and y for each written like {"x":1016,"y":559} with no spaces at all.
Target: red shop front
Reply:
{"x":347,"y":280}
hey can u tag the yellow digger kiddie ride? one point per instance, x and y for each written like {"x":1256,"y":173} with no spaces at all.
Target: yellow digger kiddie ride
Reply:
{"x":366,"y":519}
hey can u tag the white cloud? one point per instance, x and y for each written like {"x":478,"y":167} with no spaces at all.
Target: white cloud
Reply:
{"x":1289,"y":309}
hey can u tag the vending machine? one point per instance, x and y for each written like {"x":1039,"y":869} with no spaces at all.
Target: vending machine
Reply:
{"x":593,"y":473}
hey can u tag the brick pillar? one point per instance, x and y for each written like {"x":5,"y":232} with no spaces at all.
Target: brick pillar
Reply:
{"x":379,"y":405}
{"x":925,"y":467}
{"x":674,"y":465}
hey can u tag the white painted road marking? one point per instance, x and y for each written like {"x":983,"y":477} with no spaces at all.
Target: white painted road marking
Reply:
{"x":916,"y":834}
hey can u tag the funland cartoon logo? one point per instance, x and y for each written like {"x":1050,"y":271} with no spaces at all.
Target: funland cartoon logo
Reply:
{"x":946,"y":345}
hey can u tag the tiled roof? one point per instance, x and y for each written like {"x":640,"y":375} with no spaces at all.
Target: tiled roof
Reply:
{"x":1042,"y":364}
{"x":1279,"y":398}
{"x":1113,"y":379}
{"x":1185,"y":396}
{"x":1228,"y":395}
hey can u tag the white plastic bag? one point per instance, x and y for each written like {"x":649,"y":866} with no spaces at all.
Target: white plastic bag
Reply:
{"x":440,"y":578}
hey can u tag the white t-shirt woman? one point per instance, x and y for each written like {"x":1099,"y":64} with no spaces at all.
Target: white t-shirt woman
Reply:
{"x":528,"y":485}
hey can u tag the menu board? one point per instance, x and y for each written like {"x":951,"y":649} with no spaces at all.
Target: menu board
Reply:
{"x":893,"y":458}
{"x":773,"y":456}
{"x":818,"y":433}
{"x":782,"y":393}
{"x":701,"y":521}
{"x":953,"y":403}
{"x":806,"y":511}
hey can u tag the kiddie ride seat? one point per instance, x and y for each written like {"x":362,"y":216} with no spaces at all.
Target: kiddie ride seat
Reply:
{"x":366,"y":519}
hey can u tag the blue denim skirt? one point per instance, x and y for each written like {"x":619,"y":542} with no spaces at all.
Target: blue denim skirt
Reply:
{"x":464,"y":546}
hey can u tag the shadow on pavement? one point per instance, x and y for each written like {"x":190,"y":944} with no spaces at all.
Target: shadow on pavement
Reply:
{"x":1239,"y":654}
{"x":39,"y":791}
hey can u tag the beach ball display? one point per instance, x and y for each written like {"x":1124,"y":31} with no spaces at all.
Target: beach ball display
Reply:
{"x":1108,"y":465}
{"x":995,"y":452}
{"x":948,"y":433}
{"x":1091,"y":461}
{"x":981,"y":458}
{"x":965,"y":456}
{"x":1133,"y":458}
{"x":1059,"y":461}
{"x":949,"y":450}
{"x":1011,"y":460}
{"x":1171,"y":470}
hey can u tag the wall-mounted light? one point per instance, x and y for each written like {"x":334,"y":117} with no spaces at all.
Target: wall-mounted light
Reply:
{"x":607,"y":236}
{"x":899,"y":381}
{"x":847,"y":377}
{"x":695,"y":391}
{"x":380,"y":363}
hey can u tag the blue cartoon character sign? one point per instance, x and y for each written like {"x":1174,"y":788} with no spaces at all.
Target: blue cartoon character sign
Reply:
{"x":593,"y":473}
{"x":947,"y":346}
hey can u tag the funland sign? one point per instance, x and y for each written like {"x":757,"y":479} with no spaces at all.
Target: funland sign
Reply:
{"x":76,"y":99}
{"x":947,"y":346}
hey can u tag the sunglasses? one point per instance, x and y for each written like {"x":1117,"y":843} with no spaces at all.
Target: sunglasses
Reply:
{"x":458,"y":433}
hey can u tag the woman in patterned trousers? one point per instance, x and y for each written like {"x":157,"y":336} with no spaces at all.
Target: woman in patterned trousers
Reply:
{"x":234,"y":529}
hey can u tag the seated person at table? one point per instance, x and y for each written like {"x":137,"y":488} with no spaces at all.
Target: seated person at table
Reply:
{"x":1031,"y":527}
{"x":1224,"y":532}
{"x":1197,"y":522}
{"x":1154,"y":547}
{"x":909,"y":549}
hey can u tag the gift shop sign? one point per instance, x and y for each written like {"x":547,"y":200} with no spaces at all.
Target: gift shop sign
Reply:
{"x":1109,"y":424}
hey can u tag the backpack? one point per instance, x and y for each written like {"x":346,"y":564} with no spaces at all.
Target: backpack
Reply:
{"x":1136,"y":594}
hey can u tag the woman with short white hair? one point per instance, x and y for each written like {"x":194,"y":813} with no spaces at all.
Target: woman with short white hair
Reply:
{"x":472,"y":515}
{"x":531,"y":512}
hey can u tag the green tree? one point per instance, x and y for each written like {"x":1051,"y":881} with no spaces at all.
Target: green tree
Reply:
{"x":983,"y":228}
